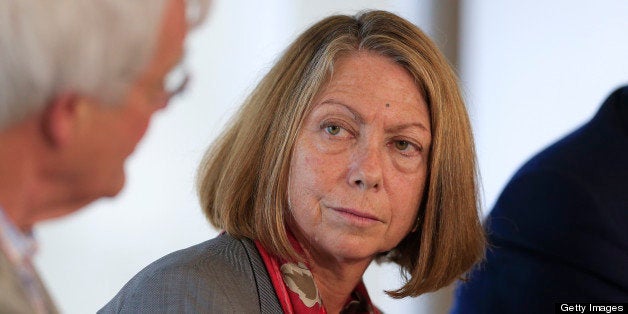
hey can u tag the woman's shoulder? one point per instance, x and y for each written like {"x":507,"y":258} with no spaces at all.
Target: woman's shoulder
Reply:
{"x":215,"y":274}
{"x":204,"y":258}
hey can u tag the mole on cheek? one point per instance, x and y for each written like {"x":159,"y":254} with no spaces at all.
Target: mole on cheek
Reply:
{"x":387,"y":105}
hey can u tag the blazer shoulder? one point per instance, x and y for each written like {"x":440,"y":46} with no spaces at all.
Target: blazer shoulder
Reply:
{"x":214,"y":276}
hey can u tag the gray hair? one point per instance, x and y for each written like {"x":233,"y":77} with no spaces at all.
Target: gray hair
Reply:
{"x":93,"y":47}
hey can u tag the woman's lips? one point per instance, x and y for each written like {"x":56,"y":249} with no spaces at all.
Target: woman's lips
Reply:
{"x":355,"y":213}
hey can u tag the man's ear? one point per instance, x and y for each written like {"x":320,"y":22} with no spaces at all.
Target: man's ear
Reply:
{"x":61,"y":118}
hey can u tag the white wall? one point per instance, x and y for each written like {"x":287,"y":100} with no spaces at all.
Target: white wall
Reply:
{"x":531,"y":71}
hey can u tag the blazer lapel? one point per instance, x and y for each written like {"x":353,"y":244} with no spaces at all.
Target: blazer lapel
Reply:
{"x":267,"y":296}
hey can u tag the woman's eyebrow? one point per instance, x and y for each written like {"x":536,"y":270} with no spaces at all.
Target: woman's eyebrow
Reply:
{"x":358,"y":118}
{"x":356,"y":115}
{"x":404,"y":126}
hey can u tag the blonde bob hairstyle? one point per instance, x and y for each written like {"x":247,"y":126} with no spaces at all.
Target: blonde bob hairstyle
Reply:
{"x":243,"y":179}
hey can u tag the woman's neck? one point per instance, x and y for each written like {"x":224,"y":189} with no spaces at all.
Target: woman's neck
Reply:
{"x":335,"y":279}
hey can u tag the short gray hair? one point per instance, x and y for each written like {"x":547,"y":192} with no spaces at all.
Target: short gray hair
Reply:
{"x":94,"y":47}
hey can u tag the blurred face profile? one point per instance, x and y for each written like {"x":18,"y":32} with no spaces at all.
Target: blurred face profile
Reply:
{"x":115,"y":130}
{"x":359,"y":164}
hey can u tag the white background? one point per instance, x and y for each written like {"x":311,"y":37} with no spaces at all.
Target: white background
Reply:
{"x":531,"y":71}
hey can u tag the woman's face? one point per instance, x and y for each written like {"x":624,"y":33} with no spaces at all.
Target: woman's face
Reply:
{"x":360,"y":161}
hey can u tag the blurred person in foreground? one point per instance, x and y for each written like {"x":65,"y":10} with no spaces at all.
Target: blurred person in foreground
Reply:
{"x":559,"y":230}
{"x":79,"y":82}
{"x":355,"y":147}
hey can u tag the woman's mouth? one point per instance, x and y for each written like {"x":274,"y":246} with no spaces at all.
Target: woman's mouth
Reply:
{"x":356,"y":215}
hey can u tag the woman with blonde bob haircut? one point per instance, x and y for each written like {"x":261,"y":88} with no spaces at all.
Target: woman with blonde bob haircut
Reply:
{"x":368,"y":104}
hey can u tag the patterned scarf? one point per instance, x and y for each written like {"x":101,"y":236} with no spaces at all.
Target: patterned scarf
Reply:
{"x":297,"y":292}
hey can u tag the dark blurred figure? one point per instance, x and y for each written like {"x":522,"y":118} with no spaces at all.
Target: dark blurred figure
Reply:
{"x":559,"y":231}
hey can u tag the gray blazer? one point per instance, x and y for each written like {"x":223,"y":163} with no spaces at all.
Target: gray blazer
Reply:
{"x":222,"y":275}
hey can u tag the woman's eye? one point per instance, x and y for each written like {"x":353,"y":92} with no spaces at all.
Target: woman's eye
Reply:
{"x":402,"y":145}
{"x":332,"y":129}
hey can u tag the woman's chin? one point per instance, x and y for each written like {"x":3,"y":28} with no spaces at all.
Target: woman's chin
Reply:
{"x":351,"y":249}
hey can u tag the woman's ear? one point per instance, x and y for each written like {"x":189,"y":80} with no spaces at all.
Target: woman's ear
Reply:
{"x":62,"y":118}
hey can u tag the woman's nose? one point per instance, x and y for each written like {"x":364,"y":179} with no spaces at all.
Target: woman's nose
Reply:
{"x":366,"y":168}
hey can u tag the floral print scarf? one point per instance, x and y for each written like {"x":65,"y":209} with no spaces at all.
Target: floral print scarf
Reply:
{"x":297,"y":292}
